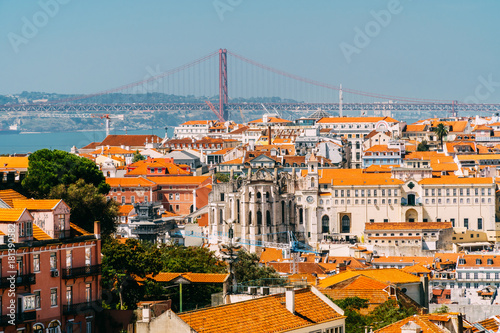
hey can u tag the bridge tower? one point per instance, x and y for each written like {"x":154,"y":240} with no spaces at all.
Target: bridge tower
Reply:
{"x":223,"y":99}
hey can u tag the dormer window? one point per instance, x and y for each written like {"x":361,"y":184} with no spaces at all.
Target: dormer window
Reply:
{"x":489,"y":261}
{"x":461,"y":261}
{"x":478,"y":261}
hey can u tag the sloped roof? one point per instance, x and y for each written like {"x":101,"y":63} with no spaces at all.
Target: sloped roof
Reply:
{"x":456,"y":180}
{"x":192,"y":277}
{"x":415,"y":269}
{"x":129,"y":182}
{"x":36,"y":204}
{"x":423,"y":321}
{"x":264,"y":314}
{"x":355,"y":120}
{"x":39,"y":234}
{"x":14,"y":162}
{"x":8,"y":195}
{"x":79,"y":230}
{"x":388,"y":275}
{"x":270,"y":120}
{"x":129,"y":140}
{"x":179,"y":180}
{"x":11,"y":214}
{"x":344,"y":177}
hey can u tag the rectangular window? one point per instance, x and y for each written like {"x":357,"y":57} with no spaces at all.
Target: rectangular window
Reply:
{"x":69,"y":295}
{"x":468,"y":191}
{"x":132,"y":199}
{"x":362,"y":193}
{"x":341,"y":193}
{"x":29,"y":229}
{"x":69,"y":259}
{"x":53,"y":260}
{"x":53,"y":297}
{"x":88,"y":292}
{"x":177,"y":196}
{"x":36,"y":262}
{"x":145,"y":198}
{"x":466,"y":223}
{"x":461,"y":191}
{"x":374,"y":193}
{"x":395,"y":192}
{"x":170,"y":196}
{"x":452,"y":222}
{"x":88,"y":256}
{"x":123,"y":200}
{"x":38,"y":303}
{"x":336,"y":193}
{"x":21,"y":229}
{"x":480,"y":223}
{"x":348,"y":193}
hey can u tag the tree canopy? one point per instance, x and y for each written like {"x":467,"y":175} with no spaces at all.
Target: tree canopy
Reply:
{"x":247,"y":268}
{"x":441,"y":131}
{"x":137,"y":157}
{"x":87,"y":205}
{"x":423,"y":146}
{"x":383,"y":315}
{"x":49,"y":168}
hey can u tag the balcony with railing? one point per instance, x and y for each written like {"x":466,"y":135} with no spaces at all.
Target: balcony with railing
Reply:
{"x":17,"y":280}
{"x":79,"y":308}
{"x":17,"y":318}
{"x":73,"y":273}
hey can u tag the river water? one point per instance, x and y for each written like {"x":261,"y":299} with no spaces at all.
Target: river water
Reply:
{"x":23,"y":143}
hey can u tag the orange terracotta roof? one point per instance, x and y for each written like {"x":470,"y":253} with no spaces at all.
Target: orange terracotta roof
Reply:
{"x":129,"y":182}
{"x":364,"y":282}
{"x":179,"y":180}
{"x":270,"y":254}
{"x":302,"y":267}
{"x":11,"y":214}
{"x":111,"y":151}
{"x":8,"y":195}
{"x":39,"y":234}
{"x":406,"y":260}
{"x":347,"y":177}
{"x":36,"y":204}
{"x":14,"y":162}
{"x":387,"y":275}
{"x":192,"y":277}
{"x":125,"y":210}
{"x":423,"y":321}
{"x":129,"y":140}
{"x":196,"y":122}
{"x":381,"y":148}
{"x":355,"y":120}
{"x":455,"y":180}
{"x":415,"y":269}
{"x":92,"y":145}
{"x":79,"y":230}
{"x":380,"y":168}
{"x":415,"y":128}
{"x":235,"y":161}
{"x":264,"y":314}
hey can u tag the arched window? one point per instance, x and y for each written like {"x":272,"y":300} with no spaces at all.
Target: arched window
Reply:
{"x":267,"y":195}
{"x":221,"y":216}
{"x":259,"y":218}
{"x":250,"y":218}
{"x":268,"y":218}
{"x":346,"y":224}
{"x":259,"y":195}
{"x":312,"y":181}
{"x":301,"y":216}
{"x":38,"y":328}
{"x":282,"y":212}
{"x":325,"y":224}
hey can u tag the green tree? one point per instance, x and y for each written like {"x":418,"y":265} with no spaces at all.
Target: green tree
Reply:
{"x":181,"y":259}
{"x":442,"y":309}
{"x":87,"y":205}
{"x":49,"y":168}
{"x":355,"y":321}
{"x":222,"y":177}
{"x":423,"y":146}
{"x":138,"y":157}
{"x":388,"y":313}
{"x":121,"y":263}
{"x":441,"y":131}
{"x":247,"y":268}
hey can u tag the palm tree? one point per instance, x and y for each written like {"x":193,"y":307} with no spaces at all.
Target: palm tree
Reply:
{"x":441,"y":131}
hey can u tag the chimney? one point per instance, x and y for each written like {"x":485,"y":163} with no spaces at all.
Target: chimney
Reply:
{"x":290,"y":299}
{"x":97,"y":229}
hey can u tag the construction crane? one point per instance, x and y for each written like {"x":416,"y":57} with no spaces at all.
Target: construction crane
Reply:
{"x":107,"y":117}
{"x":212,"y":107}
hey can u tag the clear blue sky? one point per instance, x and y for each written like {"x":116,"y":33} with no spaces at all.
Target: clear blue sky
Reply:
{"x":429,"y":49}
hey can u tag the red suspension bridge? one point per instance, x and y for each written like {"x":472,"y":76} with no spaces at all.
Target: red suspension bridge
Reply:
{"x":243,"y":85}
